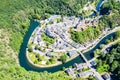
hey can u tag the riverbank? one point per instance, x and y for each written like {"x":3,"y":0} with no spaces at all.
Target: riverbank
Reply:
{"x":110,"y":44}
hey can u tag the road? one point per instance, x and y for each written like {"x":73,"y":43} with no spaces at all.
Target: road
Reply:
{"x":110,"y":44}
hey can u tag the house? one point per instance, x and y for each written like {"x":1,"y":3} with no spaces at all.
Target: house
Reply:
{"x":80,"y":66}
{"x":38,"y":39}
{"x":42,"y":43}
{"x":72,"y":53}
{"x":82,"y":74}
{"x":75,"y":65}
{"x":106,"y":76}
{"x":70,"y":72}
{"x":34,"y":40}
{"x":75,"y":45}
{"x":49,"y":54}
{"x":93,"y":63}
{"x":98,"y":76}
{"x":108,"y":49}
{"x":50,"y":31}
{"x":105,"y":51}
{"x":78,"y":75}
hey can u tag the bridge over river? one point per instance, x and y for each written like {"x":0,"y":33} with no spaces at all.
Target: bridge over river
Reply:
{"x":96,"y":74}
{"x":85,"y":59}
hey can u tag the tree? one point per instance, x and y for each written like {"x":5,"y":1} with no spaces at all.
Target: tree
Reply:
{"x":117,"y":34}
{"x":47,"y":16}
{"x":48,"y":39}
{"x":118,"y":49}
{"x":63,"y":58}
{"x":52,"y":60}
{"x":36,"y":47}
{"x":36,"y":61}
{"x":99,"y":63}
{"x":110,"y":59}
{"x":119,"y":75}
{"x":36,"y":16}
{"x":97,"y":52}
{"x":39,"y":58}
{"x":30,"y":49}
{"x":107,"y":41}
{"x":25,"y":25}
{"x":102,"y":55}
{"x":91,"y":78}
{"x":102,"y":46}
{"x":48,"y":62}
{"x":114,"y":66}
{"x":59,"y":20}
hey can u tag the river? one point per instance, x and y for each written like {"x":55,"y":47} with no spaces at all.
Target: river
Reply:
{"x":97,"y":7}
{"x":25,"y":63}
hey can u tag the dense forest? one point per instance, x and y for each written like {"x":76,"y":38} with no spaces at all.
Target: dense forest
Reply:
{"x":15,"y":16}
{"x":86,"y":35}
{"x":111,"y":14}
{"x":110,"y":62}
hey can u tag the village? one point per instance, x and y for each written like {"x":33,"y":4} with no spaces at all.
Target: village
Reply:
{"x":57,"y":29}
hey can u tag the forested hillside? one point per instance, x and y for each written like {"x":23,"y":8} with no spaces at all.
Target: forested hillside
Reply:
{"x":110,"y":62}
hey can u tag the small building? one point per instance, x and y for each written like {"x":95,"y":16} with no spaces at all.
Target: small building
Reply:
{"x":72,"y":53}
{"x":82,"y":75}
{"x":38,"y":39}
{"x":77,"y":75}
{"x":106,"y":76}
{"x":49,"y":31}
{"x":108,"y":49}
{"x":75,"y":45}
{"x":75,"y":65}
{"x":98,"y":76}
{"x":79,"y":66}
{"x":105,"y":51}
{"x":49,"y":54}
{"x":70,"y":72}
{"x":93,"y":63}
